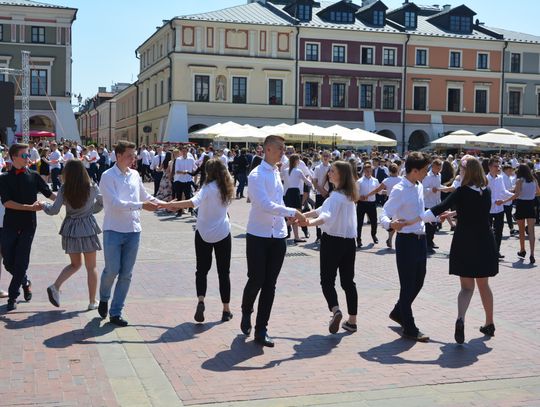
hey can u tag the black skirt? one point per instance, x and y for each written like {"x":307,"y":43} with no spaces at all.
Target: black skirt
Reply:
{"x":293,"y":198}
{"x":525,"y":209}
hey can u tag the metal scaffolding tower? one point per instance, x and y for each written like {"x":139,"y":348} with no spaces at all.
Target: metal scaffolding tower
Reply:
{"x":25,"y":92}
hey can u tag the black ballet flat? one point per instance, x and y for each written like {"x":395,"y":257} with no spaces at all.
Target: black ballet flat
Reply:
{"x":488,"y":330}
{"x":522,"y":254}
{"x":532,"y":259}
{"x":459,"y":333}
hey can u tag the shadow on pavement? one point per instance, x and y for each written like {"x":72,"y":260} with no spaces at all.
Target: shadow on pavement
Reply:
{"x":91,"y":330}
{"x":38,"y":318}
{"x":240,"y":352}
{"x":520,"y":264}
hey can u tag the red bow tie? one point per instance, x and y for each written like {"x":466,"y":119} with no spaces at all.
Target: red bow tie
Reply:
{"x":20,"y":171}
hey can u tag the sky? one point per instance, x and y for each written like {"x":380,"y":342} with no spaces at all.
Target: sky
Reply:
{"x":107,"y":32}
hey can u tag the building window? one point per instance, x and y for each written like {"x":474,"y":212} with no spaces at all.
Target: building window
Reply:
{"x":312,"y":52}
{"x":239,"y":90}
{"x":421,"y":57}
{"x":455,"y":59}
{"x":389,"y":97}
{"x":366,"y":96}
{"x":304,"y":12}
{"x":155,"y":95}
{"x":410,"y":19}
{"x":147,"y":98}
{"x":420,"y":98}
{"x":454,"y":100}
{"x":378,"y":18}
{"x":460,"y":24}
{"x":480,"y":105}
{"x":514,"y":106}
{"x":38,"y":35}
{"x":338,"y":53}
{"x":1,"y":32}
{"x":482,"y":61}
{"x":367,"y":55}
{"x":161,"y":92}
{"x":311,"y":94}
{"x":141,"y":101}
{"x":338,"y":95}
{"x":275,"y":89}
{"x":389,"y":56}
{"x":341,"y":17}
{"x":538,"y":103}
{"x":202,"y":88}
{"x":38,"y":82}
{"x":515,"y":63}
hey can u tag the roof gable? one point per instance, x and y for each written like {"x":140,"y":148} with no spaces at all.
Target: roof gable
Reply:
{"x":342,"y":6}
{"x":366,"y":13}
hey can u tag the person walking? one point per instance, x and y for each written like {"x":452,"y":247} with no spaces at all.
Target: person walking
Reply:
{"x":213,"y":233}
{"x":265,"y":239}
{"x":293,"y":182}
{"x":509,"y":180}
{"x":123,"y":198}
{"x":432,"y":197}
{"x":3,"y":294}
{"x":321,"y":184}
{"x":182,"y":169}
{"x":79,"y":229}
{"x":526,"y":191}
{"x":54,"y":159}
{"x":367,"y":204}
{"x":157,"y":168}
{"x":337,"y":219}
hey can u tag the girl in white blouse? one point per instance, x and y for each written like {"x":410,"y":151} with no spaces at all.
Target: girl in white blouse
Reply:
{"x":337,"y":219}
{"x":213,"y":232}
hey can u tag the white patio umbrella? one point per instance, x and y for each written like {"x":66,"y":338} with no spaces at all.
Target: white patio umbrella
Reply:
{"x":502,"y":139}
{"x":364,"y":138}
{"x":245,"y":133}
{"x":212,"y":131}
{"x":305,"y":132}
{"x":458,"y":138}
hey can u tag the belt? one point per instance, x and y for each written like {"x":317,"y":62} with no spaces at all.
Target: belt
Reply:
{"x":412,"y":235}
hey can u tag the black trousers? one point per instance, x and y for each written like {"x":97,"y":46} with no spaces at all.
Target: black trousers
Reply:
{"x":203,"y":251}
{"x":264,"y":260}
{"x":509,"y":218}
{"x":411,"y":265}
{"x":319,"y":200}
{"x":497,"y":224}
{"x":369,"y":208}
{"x":184,"y":188}
{"x":55,"y":178}
{"x":157,"y":175}
{"x":16,"y":247}
{"x":431,"y":228}
{"x":338,"y":253}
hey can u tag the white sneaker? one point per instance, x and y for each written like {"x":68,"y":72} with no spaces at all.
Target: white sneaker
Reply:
{"x":54,"y":295}
{"x":92,"y":306}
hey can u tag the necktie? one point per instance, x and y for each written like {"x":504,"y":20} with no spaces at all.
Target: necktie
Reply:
{"x":20,"y":171}
{"x":159,"y":161}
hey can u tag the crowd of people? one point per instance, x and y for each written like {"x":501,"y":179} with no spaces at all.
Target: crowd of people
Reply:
{"x":332,"y":191}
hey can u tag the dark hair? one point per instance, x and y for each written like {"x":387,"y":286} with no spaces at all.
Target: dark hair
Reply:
{"x":436,"y":162}
{"x":493,"y":160}
{"x":76,"y":185}
{"x":293,"y":162}
{"x":15,"y":148}
{"x":393,"y":168}
{"x":122,"y":146}
{"x":167,"y":159}
{"x":272,"y":139}
{"x":523,"y":171}
{"x":416,"y":161}
{"x":216,"y":171}
{"x":347,"y":185}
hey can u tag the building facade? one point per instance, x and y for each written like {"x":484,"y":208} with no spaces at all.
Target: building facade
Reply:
{"x":45,"y":31}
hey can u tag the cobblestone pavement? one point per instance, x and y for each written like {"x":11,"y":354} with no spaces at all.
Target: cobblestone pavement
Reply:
{"x":67,"y":356}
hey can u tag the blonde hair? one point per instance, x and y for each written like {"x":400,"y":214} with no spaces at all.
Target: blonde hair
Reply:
{"x":474,"y":173}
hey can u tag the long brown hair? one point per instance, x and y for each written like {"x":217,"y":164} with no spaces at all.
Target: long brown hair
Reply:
{"x":474,"y":173}
{"x":293,"y":162}
{"x":76,"y":184}
{"x":216,"y":171}
{"x":346,"y":180}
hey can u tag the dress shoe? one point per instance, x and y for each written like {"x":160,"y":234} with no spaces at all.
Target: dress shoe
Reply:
{"x":395,"y":317}
{"x":419,"y":337}
{"x":375,"y":240}
{"x":226,"y":316}
{"x":27,"y":289}
{"x":306,"y":235}
{"x":522,"y":254}
{"x":452,"y":228}
{"x":118,"y":320}
{"x":358,"y":243}
{"x":199,"y":313}
{"x":501,"y":256}
{"x":264,"y":340}
{"x":333,"y":326}
{"x":434,"y":246}
{"x":459,"y":333}
{"x":532,"y":259}
{"x":388,"y":243}
{"x":245,"y":324}
{"x":103,"y":308}
{"x":11,"y":305}
{"x":431,"y":250}
{"x":488,"y":330}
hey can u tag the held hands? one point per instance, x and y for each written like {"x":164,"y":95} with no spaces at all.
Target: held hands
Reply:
{"x":298,"y":219}
{"x":171,"y":206}
{"x":150,"y":206}
{"x":499,"y":202}
{"x":447,"y":215}
{"x":37,"y":206}
{"x":434,"y":190}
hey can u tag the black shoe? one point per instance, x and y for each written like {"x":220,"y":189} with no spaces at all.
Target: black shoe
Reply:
{"x":532,"y":259}
{"x":306,"y":235}
{"x":358,"y":243}
{"x":375,"y":240}
{"x":488,"y":330}
{"x":27,"y":289}
{"x":501,"y":256}
{"x":419,"y":337}
{"x":245,"y":324}
{"x":434,"y":246}
{"x":522,"y":254}
{"x":513,"y":232}
{"x":459,"y":333}
{"x":352,"y":328}
{"x":226,"y":316}
{"x":264,"y":340}
{"x":118,"y":320}
{"x":334,"y":322}
{"x":103,"y":308}
{"x":11,"y":305}
{"x":394,"y":317}
{"x":199,"y":313}
{"x":388,"y":243}
{"x":452,"y":228}
{"x":431,"y":251}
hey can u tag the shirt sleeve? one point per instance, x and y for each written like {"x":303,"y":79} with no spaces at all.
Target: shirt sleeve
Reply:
{"x":390,"y":208}
{"x":259,"y":197}
{"x":54,"y":208}
{"x":5,"y":192}
{"x":199,"y":197}
{"x":328,"y":209}
{"x":446,"y":204}
{"x":110,"y":197}
{"x":98,"y":203}
{"x":42,"y":186}
{"x":143,"y":193}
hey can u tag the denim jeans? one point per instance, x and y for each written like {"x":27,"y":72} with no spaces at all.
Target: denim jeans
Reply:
{"x":120,"y":251}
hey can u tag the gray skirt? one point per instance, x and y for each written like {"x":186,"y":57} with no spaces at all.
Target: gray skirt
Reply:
{"x":86,"y":244}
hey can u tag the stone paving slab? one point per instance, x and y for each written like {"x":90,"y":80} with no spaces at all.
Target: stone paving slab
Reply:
{"x":66,"y":357}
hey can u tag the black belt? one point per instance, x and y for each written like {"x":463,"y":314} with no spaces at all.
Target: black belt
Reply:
{"x":412,"y":235}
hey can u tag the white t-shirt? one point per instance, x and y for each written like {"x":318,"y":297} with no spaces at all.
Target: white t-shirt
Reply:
{"x":390,"y":183}
{"x":339,"y":214}
{"x":320,"y":174}
{"x":212,"y":220}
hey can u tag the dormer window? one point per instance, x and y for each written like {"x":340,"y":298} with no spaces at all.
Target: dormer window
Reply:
{"x":461,"y":24}
{"x":378,"y":18}
{"x":304,"y":12}
{"x":341,"y":17}
{"x":410,"y":19}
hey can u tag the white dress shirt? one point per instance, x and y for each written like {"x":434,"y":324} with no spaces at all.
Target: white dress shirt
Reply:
{"x":123,"y":198}
{"x":157,"y":161}
{"x":390,"y":183}
{"x":432,"y":181}
{"x":301,"y":165}
{"x":365,"y":185}
{"x":212,"y":219}
{"x":184,"y":164}
{"x":68,"y":156}
{"x":339,"y":214}
{"x":34,"y":155}
{"x":93,"y":157}
{"x":55,"y":156}
{"x":295,"y":179}
{"x":320,"y":174}
{"x":268,"y":212}
{"x":498,"y":192}
{"x":509,"y":184}
{"x":2,"y":213}
{"x":145,"y":157}
{"x":112,"y":156}
{"x":405,"y":202}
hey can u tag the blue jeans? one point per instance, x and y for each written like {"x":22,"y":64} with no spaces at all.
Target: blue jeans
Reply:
{"x":120,"y":251}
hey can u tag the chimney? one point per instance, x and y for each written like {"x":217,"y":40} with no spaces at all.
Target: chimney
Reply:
{"x":405,"y":2}
{"x":436,"y":6}
{"x":447,"y":7}
{"x":257,"y":1}
{"x":367,"y":2}
{"x":102,"y":89}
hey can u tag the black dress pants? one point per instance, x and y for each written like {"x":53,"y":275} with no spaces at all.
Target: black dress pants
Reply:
{"x":264,"y":260}
{"x":411,"y":265}
{"x":157,"y":175}
{"x":16,"y":246}
{"x":55,"y":178}
{"x":203,"y":251}
{"x":182,"y":188}
{"x":497,"y":224}
{"x":509,"y":218}
{"x":431,"y":228}
{"x":319,"y":200}
{"x":338,"y":253}
{"x":369,"y":208}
